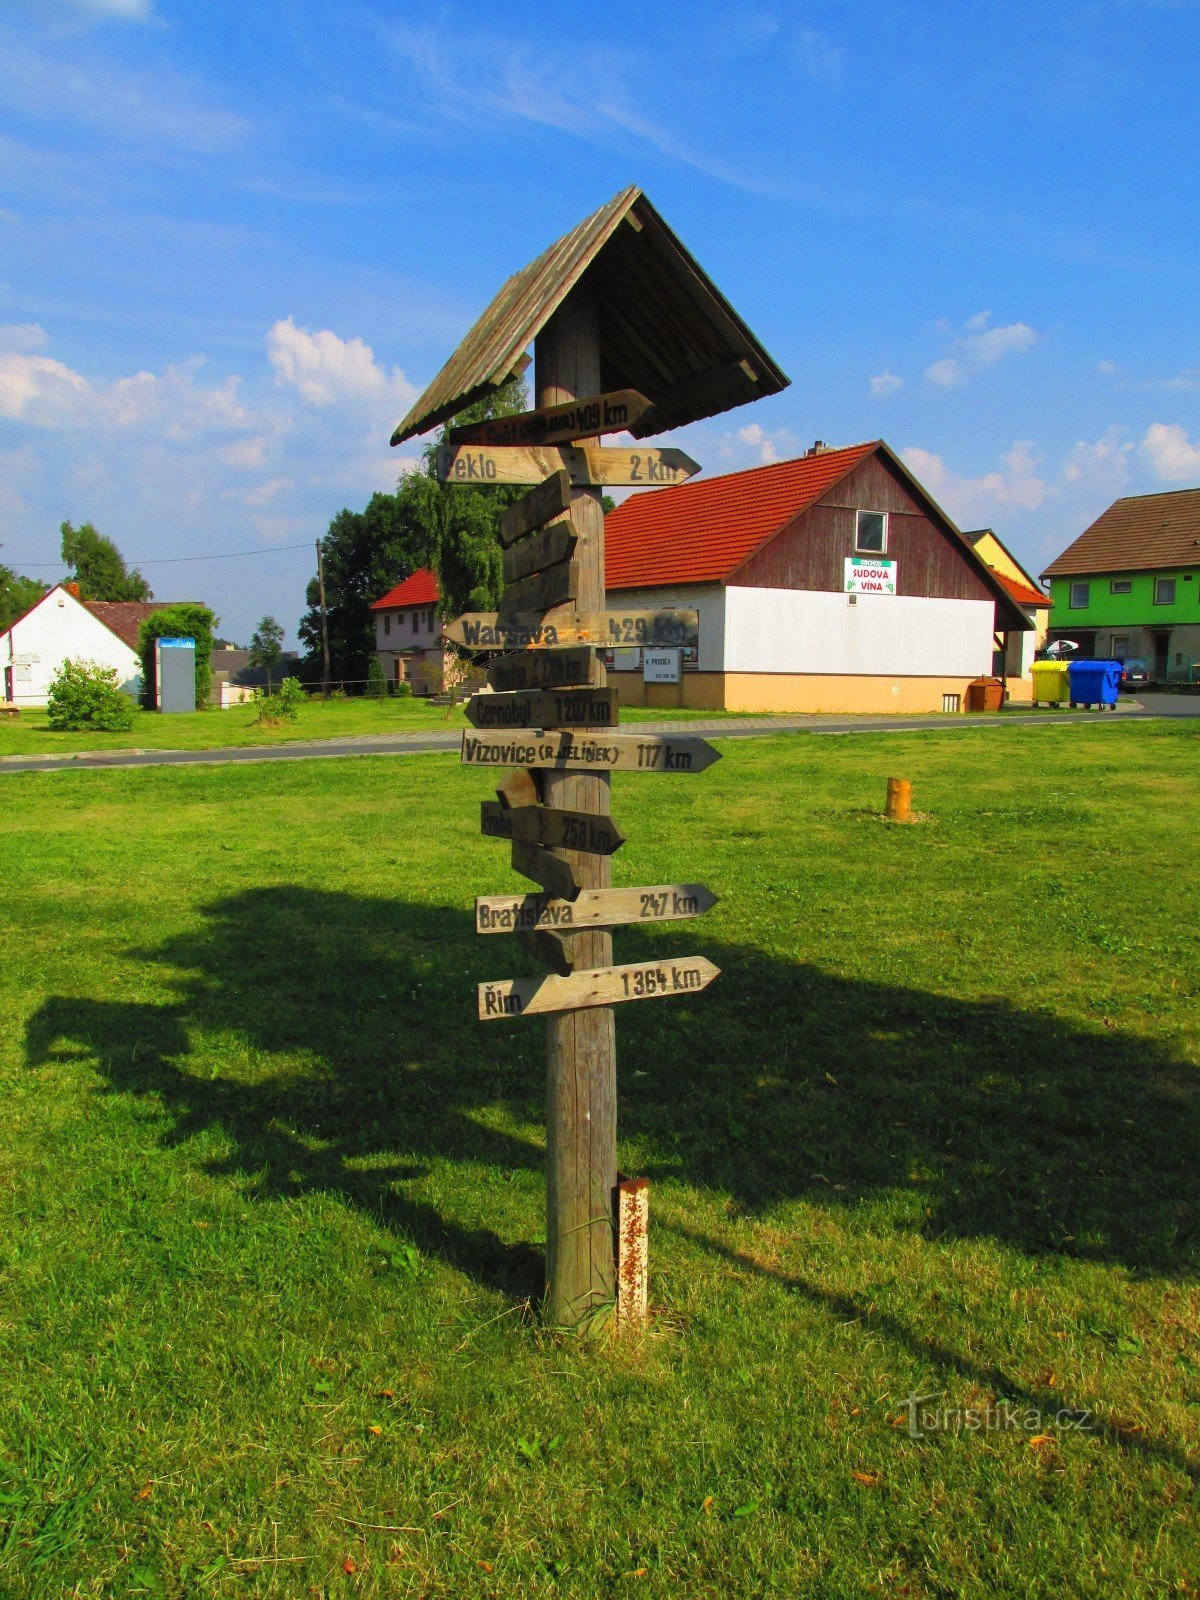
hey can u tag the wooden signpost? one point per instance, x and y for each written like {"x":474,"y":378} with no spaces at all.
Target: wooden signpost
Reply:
{"x":676,"y":352}
{"x":640,"y":466}
{"x":562,"y":424}
{"x":608,"y":630}
{"x":544,"y":708}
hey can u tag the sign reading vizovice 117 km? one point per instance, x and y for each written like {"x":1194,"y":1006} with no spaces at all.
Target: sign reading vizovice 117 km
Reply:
{"x":629,"y":336}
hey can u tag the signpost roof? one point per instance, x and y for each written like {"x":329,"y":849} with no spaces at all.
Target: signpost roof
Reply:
{"x":665,"y":328}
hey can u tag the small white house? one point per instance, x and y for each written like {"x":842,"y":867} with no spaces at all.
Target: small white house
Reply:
{"x":62,"y":627}
{"x":408,"y":639}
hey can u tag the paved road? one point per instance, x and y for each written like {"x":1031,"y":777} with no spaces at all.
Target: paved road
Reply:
{"x":397,"y":744}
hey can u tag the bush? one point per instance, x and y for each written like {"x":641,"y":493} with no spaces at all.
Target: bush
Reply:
{"x":377,"y":686}
{"x":404,"y":689}
{"x":282,"y":705}
{"x":86,"y":695}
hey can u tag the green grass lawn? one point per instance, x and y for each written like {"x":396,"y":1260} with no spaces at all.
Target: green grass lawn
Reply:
{"x":273,"y":1200}
{"x":31,"y":733}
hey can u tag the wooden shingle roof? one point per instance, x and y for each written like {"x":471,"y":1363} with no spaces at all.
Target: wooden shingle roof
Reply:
{"x":1140,"y":533}
{"x":665,"y":328}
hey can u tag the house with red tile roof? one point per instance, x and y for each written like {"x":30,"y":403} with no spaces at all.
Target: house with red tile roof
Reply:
{"x":61,"y":627}
{"x":408,"y":633}
{"x":833,"y":582}
{"x":1028,"y":594}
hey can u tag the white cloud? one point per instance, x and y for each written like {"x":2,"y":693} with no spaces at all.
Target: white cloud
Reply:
{"x":973,"y":501}
{"x":980,"y":346}
{"x":122,"y":10}
{"x":22,"y":336}
{"x":246,"y":454}
{"x":40,"y":391}
{"x":1101,"y":465}
{"x":323,"y":368}
{"x":884,"y":384}
{"x":1170,"y":454}
{"x":763,"y":445}
{"x":1107,"y":369}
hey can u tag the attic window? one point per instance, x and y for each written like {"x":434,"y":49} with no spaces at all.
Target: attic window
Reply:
{"x":1121,"y":586}
{"x":870,"y":532}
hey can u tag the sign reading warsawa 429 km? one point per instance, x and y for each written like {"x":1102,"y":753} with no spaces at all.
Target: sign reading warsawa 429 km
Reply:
{"x":586,"y":465}
{"x":609,"y":752}
{"x":572,"y":708}
{"x":607,"y":630}
{"x":599,"y":986}
{"x":575,"y":419}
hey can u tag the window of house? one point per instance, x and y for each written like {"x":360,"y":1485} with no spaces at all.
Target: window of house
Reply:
{"x":1081,"y":593}
{"x":1121,"y":586}
{"x":387,"y":622}
{"x":1120,"y":646}
{"x":1164,"y":591}
{"x":870,"y":532}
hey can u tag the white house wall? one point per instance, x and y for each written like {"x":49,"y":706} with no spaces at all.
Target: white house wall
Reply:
{"x":58,"y":629}
{"x":813,"y":631}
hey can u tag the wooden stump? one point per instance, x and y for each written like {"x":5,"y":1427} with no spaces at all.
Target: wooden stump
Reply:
{"x":899,"y":800}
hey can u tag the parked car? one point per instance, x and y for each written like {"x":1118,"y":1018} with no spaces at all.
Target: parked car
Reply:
{"x":1135,"y":672}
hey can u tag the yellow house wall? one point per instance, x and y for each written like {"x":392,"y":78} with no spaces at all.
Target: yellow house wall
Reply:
{"x":798,"y":692}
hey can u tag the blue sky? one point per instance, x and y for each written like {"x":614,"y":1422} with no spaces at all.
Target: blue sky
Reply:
{"x":235,"y":240}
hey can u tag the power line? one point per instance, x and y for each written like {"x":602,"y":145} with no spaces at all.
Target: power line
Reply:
{"x":169,"y":561}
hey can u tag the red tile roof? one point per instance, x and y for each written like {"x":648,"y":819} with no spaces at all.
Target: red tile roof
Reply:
{"x":125,"y":617}
{"x":699,"y":532}
{"x":419,"y":590}
{"x":1021,"y":592}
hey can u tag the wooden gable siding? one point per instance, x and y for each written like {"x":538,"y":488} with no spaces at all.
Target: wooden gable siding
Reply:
{"x":810,"y":553}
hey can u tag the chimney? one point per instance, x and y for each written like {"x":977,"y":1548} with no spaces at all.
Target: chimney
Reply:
{"x":72,"y":588}
{"x":819,"y":448}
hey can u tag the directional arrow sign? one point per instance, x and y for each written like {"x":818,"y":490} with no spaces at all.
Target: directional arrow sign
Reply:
{"x":605,"y":752}
{"x":542,"y":590}
{"x":551,"y":949}
{"x":491,"y":630}
{"x":596,"y":986}
{"x":574,"y":419}
{"x":545,"y":669}
{"x":542,"y":549}
{"x":544,"y":708}
{"x":533,"y":510}
{"x":644,"y":466}
{"x":592,"y":908}
{"x":558,"y":830}
{"x":552,"y":872}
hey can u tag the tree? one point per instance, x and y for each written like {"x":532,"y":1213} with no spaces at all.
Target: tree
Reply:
{"x":98,"y":567}
{"x":17,"y":594}
{"x":187,"y":620}
{"x":266,"y":646}
{"x":365,"y":554}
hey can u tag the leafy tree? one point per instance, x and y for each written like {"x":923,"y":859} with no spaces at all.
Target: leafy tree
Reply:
{"x":266,"y":646}
{"x":377,"y":685}
{"x":98,"y":567}
{"x":17,"y":594}
{"x":366,"y":553}
{"x":187,"y":620}
{"x":86,"y":695}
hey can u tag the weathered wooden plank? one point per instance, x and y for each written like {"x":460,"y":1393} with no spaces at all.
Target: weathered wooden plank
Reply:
{"x":633,"y":1252}
{"x":554,"y":874}
{"x":596,"y":986}
{"x":592,"y":908}
{"x":541,"y":591}
{"x":559,"y":424}
{"x":544,"y":708}
{"x":644,"y":466}
{"x":551,"y":949}
{"x":546,"y":669}
{"x":518,"y":788}
{"x":541,"y":505}
{"x":732,"y":383}
{"x":545,"y":548}
{"x":603,"y":752}
{"x":553,"y":827}
{"x":492,"y":630}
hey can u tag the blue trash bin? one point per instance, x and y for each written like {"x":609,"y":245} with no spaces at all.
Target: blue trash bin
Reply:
{"x":1094,"y":683}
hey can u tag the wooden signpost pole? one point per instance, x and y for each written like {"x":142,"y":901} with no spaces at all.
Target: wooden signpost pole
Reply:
{"x":581,"y":1046}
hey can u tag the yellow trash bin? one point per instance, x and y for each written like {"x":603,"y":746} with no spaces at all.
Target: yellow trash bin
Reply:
{"x":1050,"y":683}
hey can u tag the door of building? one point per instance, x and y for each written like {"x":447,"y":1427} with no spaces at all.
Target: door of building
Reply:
{"x":1162,"y":654}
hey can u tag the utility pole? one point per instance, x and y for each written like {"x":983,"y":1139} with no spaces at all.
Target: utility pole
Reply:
{"x":324,"y":624}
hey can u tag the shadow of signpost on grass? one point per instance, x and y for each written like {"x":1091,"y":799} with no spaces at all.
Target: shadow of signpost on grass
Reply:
{"x":780,"y":1081}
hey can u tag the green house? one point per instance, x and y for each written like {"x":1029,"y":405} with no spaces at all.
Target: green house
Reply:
{"x":1129,"y":587}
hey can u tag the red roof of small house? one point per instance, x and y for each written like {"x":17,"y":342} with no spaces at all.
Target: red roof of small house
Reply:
{"x":421,"y":589}
{"x":1021,"y":592}
{"x":699,"y":532}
